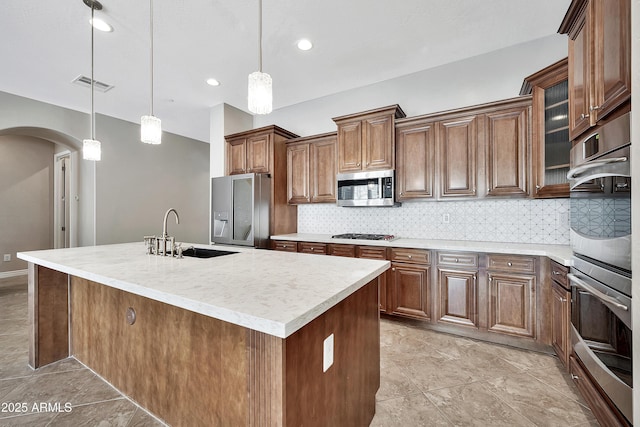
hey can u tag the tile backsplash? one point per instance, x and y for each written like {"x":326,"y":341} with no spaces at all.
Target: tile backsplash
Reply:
{"x":500,"y":220}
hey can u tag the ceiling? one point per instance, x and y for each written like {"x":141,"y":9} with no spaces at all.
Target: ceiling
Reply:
{"x":45,"y":45}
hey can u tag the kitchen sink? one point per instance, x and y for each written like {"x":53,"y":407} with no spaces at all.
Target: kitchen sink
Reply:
{"x":205,"y":253}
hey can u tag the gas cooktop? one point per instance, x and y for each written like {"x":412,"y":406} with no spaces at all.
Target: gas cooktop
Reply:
{"x":387,"y":237}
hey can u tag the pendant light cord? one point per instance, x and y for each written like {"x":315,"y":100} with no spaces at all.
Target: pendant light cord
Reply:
{"x":151,"y":33}
{"x":93,"y":118}
{"x":260,"y":35}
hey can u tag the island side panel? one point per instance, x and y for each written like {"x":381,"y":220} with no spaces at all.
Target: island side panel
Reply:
{"x":188,"y":369}
{"x":48,"y":300}
{"x":344,"y":395}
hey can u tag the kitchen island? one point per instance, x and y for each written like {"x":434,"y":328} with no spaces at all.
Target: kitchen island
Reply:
{"x":252,"y":338}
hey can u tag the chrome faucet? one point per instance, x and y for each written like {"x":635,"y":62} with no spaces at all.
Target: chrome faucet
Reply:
{"x":162,"y":242}
{"x":164,"y":223}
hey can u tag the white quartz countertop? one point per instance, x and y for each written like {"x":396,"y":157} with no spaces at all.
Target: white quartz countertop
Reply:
{"x":559,"y":253}
{"x":269,"y":291}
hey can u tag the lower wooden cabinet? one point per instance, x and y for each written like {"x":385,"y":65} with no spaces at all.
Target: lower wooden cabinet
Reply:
{"x":377,"y":252}
{"x":512,"y":303}
{"x":312,"y":248}
{"x":560,"y":312}
{"x":457,"y":289}
{"x":495,"y":297}
{"x":341,"y":250}
{"x":560,"y":321}
{"x":284,"y":245}
{"x":410,"y":289}
{"x":458,"y":297}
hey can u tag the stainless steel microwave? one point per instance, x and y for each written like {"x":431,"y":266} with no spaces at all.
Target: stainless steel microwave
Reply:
{"x":373,"y":188}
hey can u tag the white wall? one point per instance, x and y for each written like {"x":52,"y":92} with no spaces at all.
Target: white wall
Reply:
{"x":490,"y":77}
{"x":133,"y":185}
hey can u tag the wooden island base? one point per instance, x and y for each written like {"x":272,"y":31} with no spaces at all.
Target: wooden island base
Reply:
{"x":190,"y":370}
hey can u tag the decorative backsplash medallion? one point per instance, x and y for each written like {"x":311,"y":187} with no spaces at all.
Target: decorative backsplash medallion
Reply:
{"x":500,"y":220}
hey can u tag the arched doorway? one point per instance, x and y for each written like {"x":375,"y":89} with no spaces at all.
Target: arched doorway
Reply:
{"x":62,"y":175}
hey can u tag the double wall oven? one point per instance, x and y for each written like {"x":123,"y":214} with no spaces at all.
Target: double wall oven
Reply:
{"x":601,"y":330}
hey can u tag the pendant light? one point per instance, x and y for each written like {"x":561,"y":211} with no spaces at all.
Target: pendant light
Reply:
{"x":260,"y":85}
{"x":91,"y":149}
{"x":151,"y":126}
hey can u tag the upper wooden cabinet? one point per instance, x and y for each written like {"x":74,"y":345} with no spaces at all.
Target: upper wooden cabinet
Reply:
{"x":264,"y":150}
{"x":457,"y":156}
{"x":508,"y":137}
{"x":550,"y":144}
{"x":257,"y":150}
{"x":477,"y":151}
{"x":415,"y":152}
{"x":311,"y":169}
{"x":366,"y":141}
{"x":599,"y":60}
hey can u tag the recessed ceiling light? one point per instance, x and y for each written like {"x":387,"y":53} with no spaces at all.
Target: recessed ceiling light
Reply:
{"x":213,"y":82}
{"x":99,"y":24}
{"x":304,"y":44}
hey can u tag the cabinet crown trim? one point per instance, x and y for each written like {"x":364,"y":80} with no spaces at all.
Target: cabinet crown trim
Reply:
{"x":472,"y":109}
{"x":266,"y":129}
{"x":398,"y":112}
{"x":576,"y":8}
{"x":555,"y":71}
{"x":312,"y":137}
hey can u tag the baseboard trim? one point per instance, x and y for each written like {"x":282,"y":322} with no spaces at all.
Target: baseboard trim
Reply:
{"x":14,"y":273}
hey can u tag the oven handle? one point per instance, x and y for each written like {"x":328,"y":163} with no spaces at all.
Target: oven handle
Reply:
{"x":578,"y":170}
{"x":606,"y":298}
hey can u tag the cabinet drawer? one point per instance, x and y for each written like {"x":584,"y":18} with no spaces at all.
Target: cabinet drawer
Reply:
{"x":515,"y":263}
{"x":417,"y":256}
{"x":457,"y":259}
{"x":312,"y":248}
{"x":285,"y":245}
{"x":559,"y":273}
{"x":372,"y":252}
{"x":341,"y":250}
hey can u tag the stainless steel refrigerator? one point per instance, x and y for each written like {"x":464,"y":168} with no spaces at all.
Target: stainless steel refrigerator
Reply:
{"x":240,"y":209}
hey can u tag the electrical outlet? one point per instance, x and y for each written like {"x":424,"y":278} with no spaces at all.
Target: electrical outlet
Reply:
{"x":7,"y":257}
{"x":446,"y":218}
{"x":327,"y":354}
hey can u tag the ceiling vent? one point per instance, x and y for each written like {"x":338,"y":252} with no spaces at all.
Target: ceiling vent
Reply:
{"x":86,"y":82}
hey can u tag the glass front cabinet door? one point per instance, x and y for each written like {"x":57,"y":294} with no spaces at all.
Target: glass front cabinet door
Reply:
{"x":551,"y":143}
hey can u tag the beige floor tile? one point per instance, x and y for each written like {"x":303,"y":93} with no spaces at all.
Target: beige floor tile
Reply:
{"x":538,"y":402}
{"x":414,"y":410}
{"x":521,"y":359}
{"x":95,"y":390}
{"x":393,"y":382}
{"x":436,"y":371}
{"x":14,"y":343}
{"x":475,"y":405}
{"x":30,"y":420}
{"x":560,"y":380}
{"x":114,"y":413}
{"x":58,"y":387}
{"x":14,"y":365}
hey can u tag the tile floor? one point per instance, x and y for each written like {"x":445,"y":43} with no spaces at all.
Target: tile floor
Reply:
{"x":427,"y":379}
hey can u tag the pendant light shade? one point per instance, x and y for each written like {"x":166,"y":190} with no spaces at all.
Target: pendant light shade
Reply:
{"x":151,"y":130}
{"x":151,"y":126}
{"x":91,"y":149}
{"x":260,"y":84}
{"x":260,"y":93}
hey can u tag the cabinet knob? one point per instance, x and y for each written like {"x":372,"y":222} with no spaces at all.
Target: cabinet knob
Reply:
{"x":410,"y":257}
{"x":131,"y":316}
{"x":509,"y":264}
{"x":583,"y":116}
{"x":393,"y":269}
{"x":563,"y":300}
{"x":456,"y":259}
{"x":594,"y":108}
{"x":357,"y":164}
{"x":574,"y":377}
